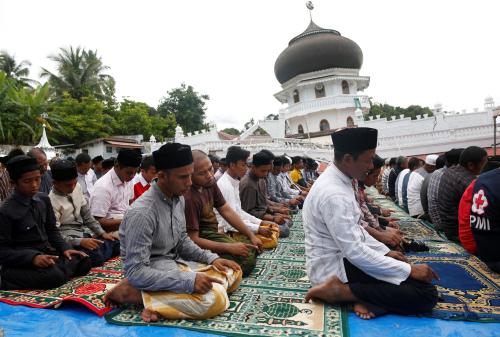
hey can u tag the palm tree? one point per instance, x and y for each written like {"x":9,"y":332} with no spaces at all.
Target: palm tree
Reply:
{"x":80,"y":73}
{"x":12,"y":69}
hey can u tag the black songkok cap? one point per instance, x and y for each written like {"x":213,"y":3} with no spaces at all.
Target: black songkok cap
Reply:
{"x":378,"y":162}
{"x":129,"y":158}
{"x":296,"y":159}
{"x":97,"y":159}
{"x":262,"y":158}
{"x":63,"y":170}
{"x":172,"y":155}
{"x":4,"y":159}
{"x":19,"y":165}
{"x":351,"y":140}
{"x":278,"y":161}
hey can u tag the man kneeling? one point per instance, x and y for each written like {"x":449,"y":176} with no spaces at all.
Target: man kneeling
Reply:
{"x":160,"y":259}
{"x":343,"y":261}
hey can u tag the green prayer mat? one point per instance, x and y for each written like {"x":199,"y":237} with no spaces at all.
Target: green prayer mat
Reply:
{"x":269,"y":302}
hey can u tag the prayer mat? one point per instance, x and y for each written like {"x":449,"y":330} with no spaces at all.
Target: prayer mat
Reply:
{"x":269,"y":302}
{"x":87,"y":290}
{"x":415,"y":229}
{"x":468,"y":289}
{"x":296,"y":236}
{"x":441,"y":247}
{"x":286,"y":252}
{"x":257,"y":312}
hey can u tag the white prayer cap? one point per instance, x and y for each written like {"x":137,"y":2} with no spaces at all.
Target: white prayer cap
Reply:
{"x":387,"y":161}
{"x":431,"y":159}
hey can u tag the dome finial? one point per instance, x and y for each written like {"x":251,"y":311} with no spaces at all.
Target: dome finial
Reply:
{"x":310,"y":7}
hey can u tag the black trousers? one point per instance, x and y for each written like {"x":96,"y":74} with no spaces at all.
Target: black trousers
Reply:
{"x":105,"y":251}
{"x":44,"y":278}
{"x":411,"y":297}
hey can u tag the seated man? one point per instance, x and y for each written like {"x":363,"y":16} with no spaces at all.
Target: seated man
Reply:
{"x":113,"y":192}
{"x":86,"y":176}
{"x":485,"y":218}
{"x":229,"y":185}
{"x":142,"y":180}
{"x":43,"y":164}
{"x":73,"y":215}
{"x":296,"y":173}
{"x":157,"y":252}
{"x":287,"y":183}
{"x":201,"y":221}
{"x":33,"y":255}
{"x":222,"y":168}
{"x":415,"y":181}
{"x":453,"y":184}
{"x":253,"y":193}
{"x":388,"y":235}
{"x":344,"y":263}
{"x":97,"y":166}
{"x":274,"y":188}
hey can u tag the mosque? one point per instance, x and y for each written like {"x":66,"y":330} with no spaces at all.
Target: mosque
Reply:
{"x":322,"y":90}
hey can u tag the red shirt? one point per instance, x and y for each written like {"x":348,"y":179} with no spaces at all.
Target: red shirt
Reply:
{"x":140,"y":186}
{"x":464,"y":230}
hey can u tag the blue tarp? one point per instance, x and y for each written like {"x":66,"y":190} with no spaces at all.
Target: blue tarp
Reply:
{"x":75,"y":321}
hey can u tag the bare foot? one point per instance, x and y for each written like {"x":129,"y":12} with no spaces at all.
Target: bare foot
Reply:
{"x":122,"y":293}
{"x":149,"y":316}
{"x":331,"y":291}
{"x":362,"y":311}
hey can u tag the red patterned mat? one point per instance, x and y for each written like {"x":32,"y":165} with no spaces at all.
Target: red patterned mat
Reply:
{"x":87,"y":290}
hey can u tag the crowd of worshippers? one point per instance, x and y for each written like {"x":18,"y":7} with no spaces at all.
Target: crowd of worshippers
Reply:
{"x":458,"y":192}
{"x":161,"y":213}
{"x":188,"y":226}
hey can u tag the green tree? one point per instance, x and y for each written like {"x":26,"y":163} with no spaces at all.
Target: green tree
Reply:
{"x":232,"y":131}
{"x":163,"y":127}
{"x":84,"y":120}
{"x":133,"y":119}
{"x":187,"y":105}
{"x":81,"y":73}
{"x":390,"y":112}
{"x":19,"y":71}
{"x":23,"y":111}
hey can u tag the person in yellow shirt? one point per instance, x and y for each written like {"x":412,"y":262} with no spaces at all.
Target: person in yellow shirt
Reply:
{"x":296,"y":173}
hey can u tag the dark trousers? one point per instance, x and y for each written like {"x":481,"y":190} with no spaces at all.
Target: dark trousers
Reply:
{"x":105,"y":251}
{"x":411,"y":297}
{"x":44,"y":278}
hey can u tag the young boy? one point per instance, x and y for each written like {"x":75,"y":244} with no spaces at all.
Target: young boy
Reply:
{"x":33,"y":254}
{"x":142,"y":180}
{"x":73,"y":216}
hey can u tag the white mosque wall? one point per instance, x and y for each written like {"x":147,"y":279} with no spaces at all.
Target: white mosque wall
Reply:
{"x":337,"y":118}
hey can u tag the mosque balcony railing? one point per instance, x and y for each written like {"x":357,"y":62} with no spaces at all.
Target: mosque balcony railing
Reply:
{"x":325,"y":103}
{"x":481,"y":134}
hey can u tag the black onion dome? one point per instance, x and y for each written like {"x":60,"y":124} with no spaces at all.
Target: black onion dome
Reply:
{"x":317,"y":49}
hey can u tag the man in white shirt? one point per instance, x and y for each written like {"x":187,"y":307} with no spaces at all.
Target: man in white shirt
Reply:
{"x":112,"y":193}
{"x":86,"y":176}
{"x":415,"y":184}
{"x":229,"y":185}
{"x":346,"y":264}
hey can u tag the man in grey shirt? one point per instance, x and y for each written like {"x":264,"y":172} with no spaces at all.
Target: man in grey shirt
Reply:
{"x":153,"y":237}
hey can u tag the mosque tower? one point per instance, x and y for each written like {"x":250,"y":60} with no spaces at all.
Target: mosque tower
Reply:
{"x":320,"y":81}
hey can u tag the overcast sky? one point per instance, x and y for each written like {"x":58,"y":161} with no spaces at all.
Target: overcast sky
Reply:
{"x":416,"y":52}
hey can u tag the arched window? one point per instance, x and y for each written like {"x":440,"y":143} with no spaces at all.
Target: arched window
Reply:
{"x":350,"y":122}
{"x":300,"y":129}
{"x":324,"y":125}
{"x":296,"y":97}
{"x":345,"y":88}
{"x":319,"y":89}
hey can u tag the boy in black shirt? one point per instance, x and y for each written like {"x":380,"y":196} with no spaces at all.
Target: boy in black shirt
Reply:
{"x":33,"y":255}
